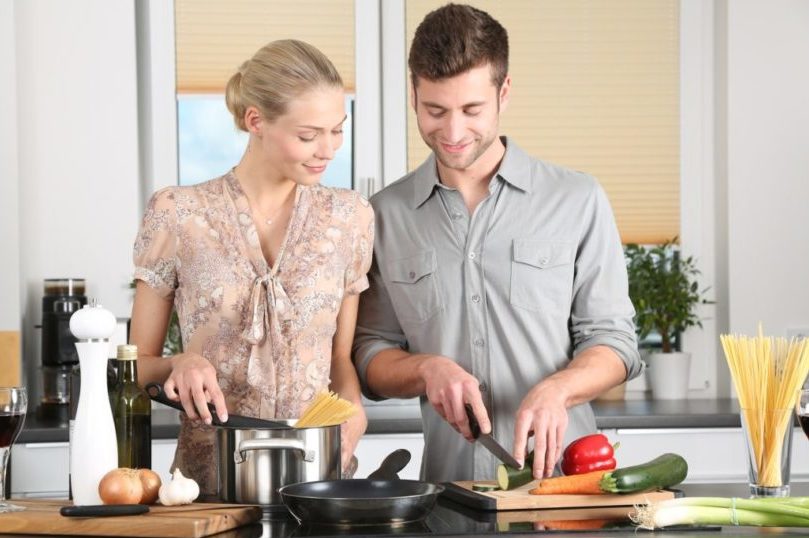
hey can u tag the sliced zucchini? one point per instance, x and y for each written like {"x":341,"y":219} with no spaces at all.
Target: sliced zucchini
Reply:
{"x":484,"y":486}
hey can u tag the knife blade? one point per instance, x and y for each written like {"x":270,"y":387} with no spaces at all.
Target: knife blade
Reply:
{"x":490,"y":442}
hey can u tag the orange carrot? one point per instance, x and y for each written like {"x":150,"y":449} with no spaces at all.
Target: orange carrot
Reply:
{"x":576,"y":484}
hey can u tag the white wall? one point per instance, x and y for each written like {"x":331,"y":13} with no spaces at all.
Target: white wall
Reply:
{"x":78,"y":151}
{"x":767,"y":136}
{"x":9,"y":192}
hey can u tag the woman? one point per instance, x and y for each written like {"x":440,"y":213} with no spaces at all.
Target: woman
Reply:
{"x":263,"y":265}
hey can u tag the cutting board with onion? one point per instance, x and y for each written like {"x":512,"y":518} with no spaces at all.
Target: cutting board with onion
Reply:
{"x":192,"y":520}
{"x":519,"y":498}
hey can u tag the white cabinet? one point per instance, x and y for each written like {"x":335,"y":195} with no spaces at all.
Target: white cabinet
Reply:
{"x":373,"y":448}
{"x":713,"y":454}
{"x":42,"y":469}
{"x":163,"y":456}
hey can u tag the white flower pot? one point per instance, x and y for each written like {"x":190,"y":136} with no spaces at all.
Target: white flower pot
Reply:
{"x":668,"y":375}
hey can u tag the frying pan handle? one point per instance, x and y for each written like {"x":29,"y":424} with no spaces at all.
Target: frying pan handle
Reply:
{"x":156,"y":393}
{"x":239,"y":455}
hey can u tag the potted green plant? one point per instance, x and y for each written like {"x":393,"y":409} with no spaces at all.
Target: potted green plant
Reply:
{"x":664,"y":289}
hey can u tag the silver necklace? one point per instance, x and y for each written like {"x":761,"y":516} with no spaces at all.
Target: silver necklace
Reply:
{"x":268,"y":220}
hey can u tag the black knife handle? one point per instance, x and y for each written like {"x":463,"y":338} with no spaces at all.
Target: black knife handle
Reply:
{"x":473,"y":422}
{"x":103,"y":510}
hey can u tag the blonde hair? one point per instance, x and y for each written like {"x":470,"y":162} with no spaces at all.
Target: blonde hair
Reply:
{"x":278,"y":73}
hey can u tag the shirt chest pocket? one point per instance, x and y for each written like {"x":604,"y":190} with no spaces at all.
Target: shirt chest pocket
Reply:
{"x":542,"y":275}
{"x":413,"y":287}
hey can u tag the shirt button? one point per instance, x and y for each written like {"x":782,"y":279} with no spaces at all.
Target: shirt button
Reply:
{"x":412,"y":274}
{"x":472,"y":255}
{"x":483,"y":387}
{"x":543,"y":261}
{"x":476,"y":298}
{"x":479,"y":342}
{"x":457,"y":216}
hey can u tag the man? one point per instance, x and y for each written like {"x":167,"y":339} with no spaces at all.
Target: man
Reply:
{"x":498,"y":280}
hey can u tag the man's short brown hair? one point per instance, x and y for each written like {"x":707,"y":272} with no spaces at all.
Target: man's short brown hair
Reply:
{"x":456,"y":38}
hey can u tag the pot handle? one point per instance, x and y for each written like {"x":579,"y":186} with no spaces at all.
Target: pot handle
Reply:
{"x":239,"y":455}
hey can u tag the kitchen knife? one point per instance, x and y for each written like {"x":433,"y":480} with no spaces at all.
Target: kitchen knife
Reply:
{"x":490,"y":442}
{"x":103,"y":510}
{"x":156,"y":393}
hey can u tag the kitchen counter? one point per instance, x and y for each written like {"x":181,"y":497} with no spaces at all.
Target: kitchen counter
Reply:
{"x":450,"y":519}
{"x":49,"y":423}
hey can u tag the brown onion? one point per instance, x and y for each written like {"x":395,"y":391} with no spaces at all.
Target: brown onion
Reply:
{"x":150,"y":481}
{"x":120,"y":486}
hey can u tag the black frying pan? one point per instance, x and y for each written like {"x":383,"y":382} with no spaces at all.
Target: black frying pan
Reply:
{"x":156,"y":393}
{"x":380,"y":499}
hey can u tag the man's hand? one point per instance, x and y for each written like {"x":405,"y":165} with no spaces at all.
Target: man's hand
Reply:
{"x":193,"y":382}
{"x":448,"y":388}
{"x":542,"y":412}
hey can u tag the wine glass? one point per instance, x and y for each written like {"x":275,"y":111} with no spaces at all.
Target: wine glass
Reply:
{"x":802,"y":410}
{"x":13,"y":404}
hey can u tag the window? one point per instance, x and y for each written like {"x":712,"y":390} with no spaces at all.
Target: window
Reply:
{"x":596,"y":89}
{"x":210,"y":144}
{"x":213,"y":38}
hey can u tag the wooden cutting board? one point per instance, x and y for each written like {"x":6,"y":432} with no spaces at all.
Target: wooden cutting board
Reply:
{"x":519,"y":498}
{"x":193,"y":520}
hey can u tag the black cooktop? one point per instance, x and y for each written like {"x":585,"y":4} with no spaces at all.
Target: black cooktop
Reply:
{"x":451,"y":519}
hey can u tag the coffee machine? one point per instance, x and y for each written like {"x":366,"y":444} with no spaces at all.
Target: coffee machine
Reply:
{"x":62,"y":297}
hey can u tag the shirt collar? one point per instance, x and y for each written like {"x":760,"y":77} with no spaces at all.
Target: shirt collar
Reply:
{"x":515,"y":168}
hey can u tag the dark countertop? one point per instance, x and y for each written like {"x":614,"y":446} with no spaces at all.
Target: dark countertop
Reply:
{"x":49,"y":423}
{"x":714,"y":413}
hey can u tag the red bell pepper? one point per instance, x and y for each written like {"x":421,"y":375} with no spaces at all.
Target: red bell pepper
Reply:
{"x":589,"y":453}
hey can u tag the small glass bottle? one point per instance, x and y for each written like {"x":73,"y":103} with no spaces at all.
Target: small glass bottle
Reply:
{"x":132,"y":413}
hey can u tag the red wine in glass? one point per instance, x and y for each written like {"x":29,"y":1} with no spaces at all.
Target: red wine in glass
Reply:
{"x":804,"y":420}
{"x":10,"y":426}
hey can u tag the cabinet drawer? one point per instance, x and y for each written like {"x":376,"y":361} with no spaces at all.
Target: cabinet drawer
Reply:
{"x":40,"y":469}
{"x":713,"y":454}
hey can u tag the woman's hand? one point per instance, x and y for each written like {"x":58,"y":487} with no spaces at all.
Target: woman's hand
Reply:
{"x":350,"y":433}
{"x":193,"y":382}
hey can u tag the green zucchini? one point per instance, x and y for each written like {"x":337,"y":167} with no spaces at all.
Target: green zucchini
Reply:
{"x":662,"y":472}
{"x":509,"y":478}
{"x":484,"y":486}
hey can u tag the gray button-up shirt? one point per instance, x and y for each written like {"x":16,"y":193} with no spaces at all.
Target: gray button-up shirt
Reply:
{"x":512,"y":292}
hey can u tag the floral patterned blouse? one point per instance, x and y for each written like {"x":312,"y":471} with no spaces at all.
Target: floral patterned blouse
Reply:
{"x":267,"y":330}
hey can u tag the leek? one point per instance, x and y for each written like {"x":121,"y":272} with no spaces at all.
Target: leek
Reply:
{"x":760,"y":512}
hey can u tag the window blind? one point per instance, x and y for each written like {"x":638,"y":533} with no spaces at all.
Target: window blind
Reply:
{"x":214,"y":37}
{"x":595,"y":87}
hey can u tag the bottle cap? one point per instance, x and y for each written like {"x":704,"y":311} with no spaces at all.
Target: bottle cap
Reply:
{"x":127,"y":352}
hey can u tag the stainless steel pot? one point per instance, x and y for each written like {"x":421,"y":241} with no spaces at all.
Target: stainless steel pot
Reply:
{"x":254,"y":463}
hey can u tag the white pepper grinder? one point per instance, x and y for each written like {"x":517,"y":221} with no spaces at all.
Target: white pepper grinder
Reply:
{"x":93,"y":446}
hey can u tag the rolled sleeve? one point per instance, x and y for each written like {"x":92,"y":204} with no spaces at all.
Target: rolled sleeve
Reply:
{"x":602,"y":313}
{"x":377,"y":328}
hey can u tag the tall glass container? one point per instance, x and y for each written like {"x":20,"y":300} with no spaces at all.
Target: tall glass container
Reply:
{"x":132,"y":413}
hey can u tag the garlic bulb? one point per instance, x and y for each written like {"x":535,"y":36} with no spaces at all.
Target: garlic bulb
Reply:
{"x":179,"y":490}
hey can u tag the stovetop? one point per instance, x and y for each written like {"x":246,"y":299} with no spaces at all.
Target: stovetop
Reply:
{"x":451,"y":519}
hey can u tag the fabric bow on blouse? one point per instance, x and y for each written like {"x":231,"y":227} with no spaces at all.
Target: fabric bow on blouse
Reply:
{"x":270,"y":306}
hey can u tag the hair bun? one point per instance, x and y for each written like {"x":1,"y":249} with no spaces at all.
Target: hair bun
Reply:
{"x":234,"y":99}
